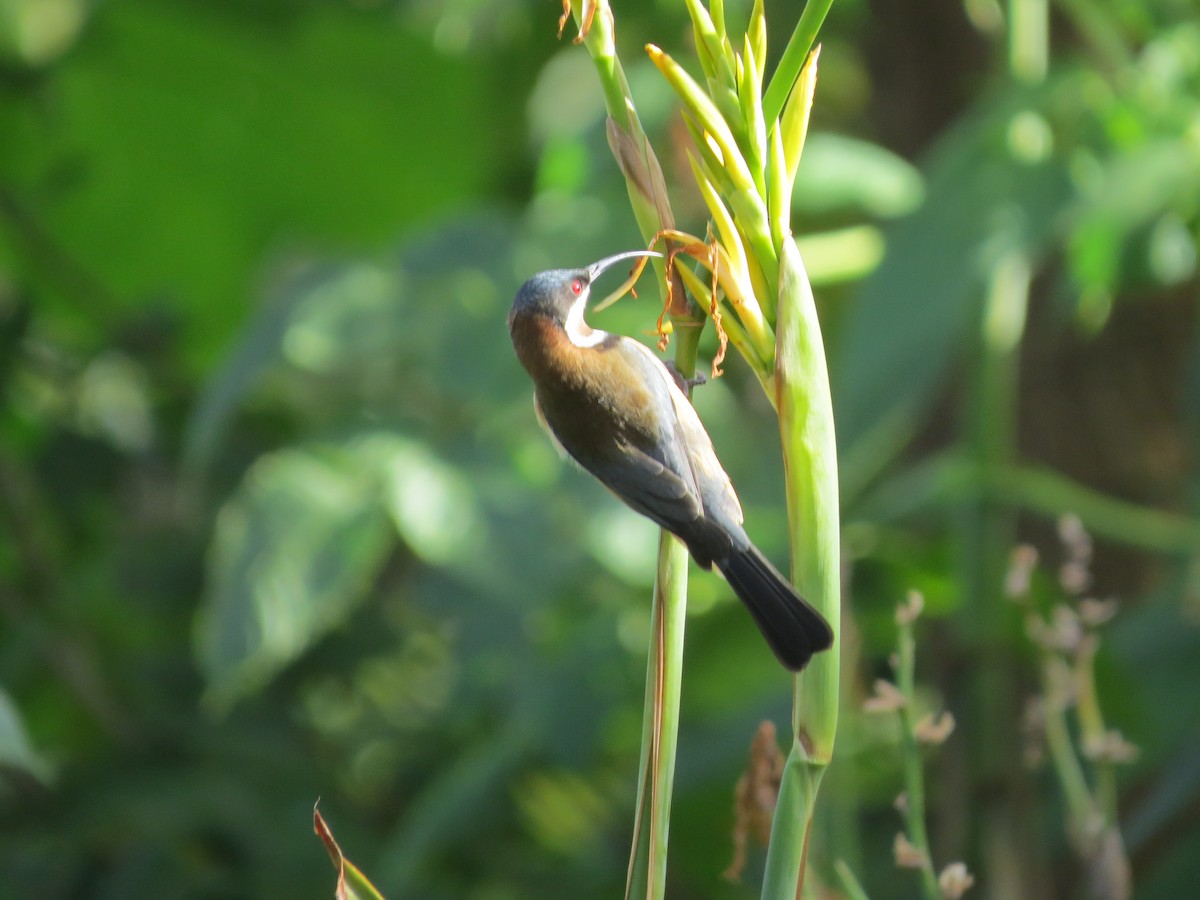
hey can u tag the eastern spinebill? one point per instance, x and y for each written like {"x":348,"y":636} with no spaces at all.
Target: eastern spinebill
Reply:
{"x":622,"y":415}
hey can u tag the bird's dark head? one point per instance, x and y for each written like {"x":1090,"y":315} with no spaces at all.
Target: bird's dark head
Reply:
{"x":561,"y":295}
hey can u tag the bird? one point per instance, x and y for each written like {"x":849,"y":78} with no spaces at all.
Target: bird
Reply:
{"x":622,"y":415}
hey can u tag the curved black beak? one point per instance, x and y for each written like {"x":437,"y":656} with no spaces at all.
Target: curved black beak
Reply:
{"x":597,"y":267}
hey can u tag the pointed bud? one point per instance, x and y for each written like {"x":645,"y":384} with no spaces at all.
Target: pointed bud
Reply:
{"x":887,"y":698}
{"x":794,"y":121}
{"x":1111,"y":748}
{"x":1020,"y":571}
{"x":908,"y":611}
{"x":1095,"y":613}
{"x":906,"y":855}
{"x":929,"y":730}
{"x":955,"y":880}
{"x":756,"y":32}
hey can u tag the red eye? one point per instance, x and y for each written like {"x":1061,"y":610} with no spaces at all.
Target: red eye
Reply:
{"x":576,"y":287}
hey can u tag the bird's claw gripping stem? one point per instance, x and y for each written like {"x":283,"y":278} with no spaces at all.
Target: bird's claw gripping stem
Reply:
{"x":685,"y":384}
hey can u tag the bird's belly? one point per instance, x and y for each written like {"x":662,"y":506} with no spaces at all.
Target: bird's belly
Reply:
{"x":590,"y":421}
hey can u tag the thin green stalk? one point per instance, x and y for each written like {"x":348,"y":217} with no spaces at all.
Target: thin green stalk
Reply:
{"x":601,"y":45}
{"x":636,"y":158}
{"x":947,"y":478}
{"x":664,"y":676}
{"x":647,"y":875}
{"x":1062,"y":756}
{"x":1092,"y":729}
{"x":850,"y":885}
{"x":914,"y":778}
{"x":1102,"y":32}
{"x":660,"y":725}
{"x":1046,"y":491}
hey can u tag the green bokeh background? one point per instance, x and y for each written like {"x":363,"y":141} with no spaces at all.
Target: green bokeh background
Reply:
{"x":277,"y":523}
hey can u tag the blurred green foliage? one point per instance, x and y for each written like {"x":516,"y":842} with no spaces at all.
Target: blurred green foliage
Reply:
{"x":276,"y":521}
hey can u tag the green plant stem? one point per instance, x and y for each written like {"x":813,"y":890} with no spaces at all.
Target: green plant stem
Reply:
{"x":1045,"y":491}
{"x":914,"y":778}
{"x":1066,"y":764}
{"x":850,"y":884}
{"x":1092,"y":729}
{"x":647,"y":876}
{"x":794,"y":54}
{"x":639,"y":165}
{"x":805,"y":407}
{"x":1101,"y":31}
{"x":660,"y":725}
{"x":359,"y":885}
{"x":988,"y":526}
{"x":951,"y":476}
{"x":1028,"y":39}
{"x":664,"y":678}
{"x":601,"y":45}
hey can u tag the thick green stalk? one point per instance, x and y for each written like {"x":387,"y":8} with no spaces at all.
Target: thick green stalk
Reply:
{"x":1028,"y":49}
{"x":797,"y":383}
{"x":805,"y":407}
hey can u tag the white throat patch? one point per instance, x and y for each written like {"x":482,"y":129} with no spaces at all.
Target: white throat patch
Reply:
{"x":578,"y":331}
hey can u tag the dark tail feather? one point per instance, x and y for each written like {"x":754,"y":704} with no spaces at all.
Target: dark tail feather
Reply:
{"x":791,"y":626}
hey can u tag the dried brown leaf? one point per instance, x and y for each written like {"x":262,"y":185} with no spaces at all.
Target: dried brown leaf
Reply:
{"x":755,"y":797}
{"x":335,"y":853}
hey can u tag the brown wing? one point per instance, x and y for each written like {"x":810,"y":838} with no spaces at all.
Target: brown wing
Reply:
{"x":673,"y":476}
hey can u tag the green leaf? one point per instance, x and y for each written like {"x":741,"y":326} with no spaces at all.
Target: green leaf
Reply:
{"x":16,"y":750}
{"x":1126,"y":194}
{"x":839,"y":173}
{"x":914,"y":311}
{"x":212,"y":132}
{"x":431,"y":504}
{"x":295,"y":550}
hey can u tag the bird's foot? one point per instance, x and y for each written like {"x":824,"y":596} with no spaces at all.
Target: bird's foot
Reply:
{"x":685,"y":384}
